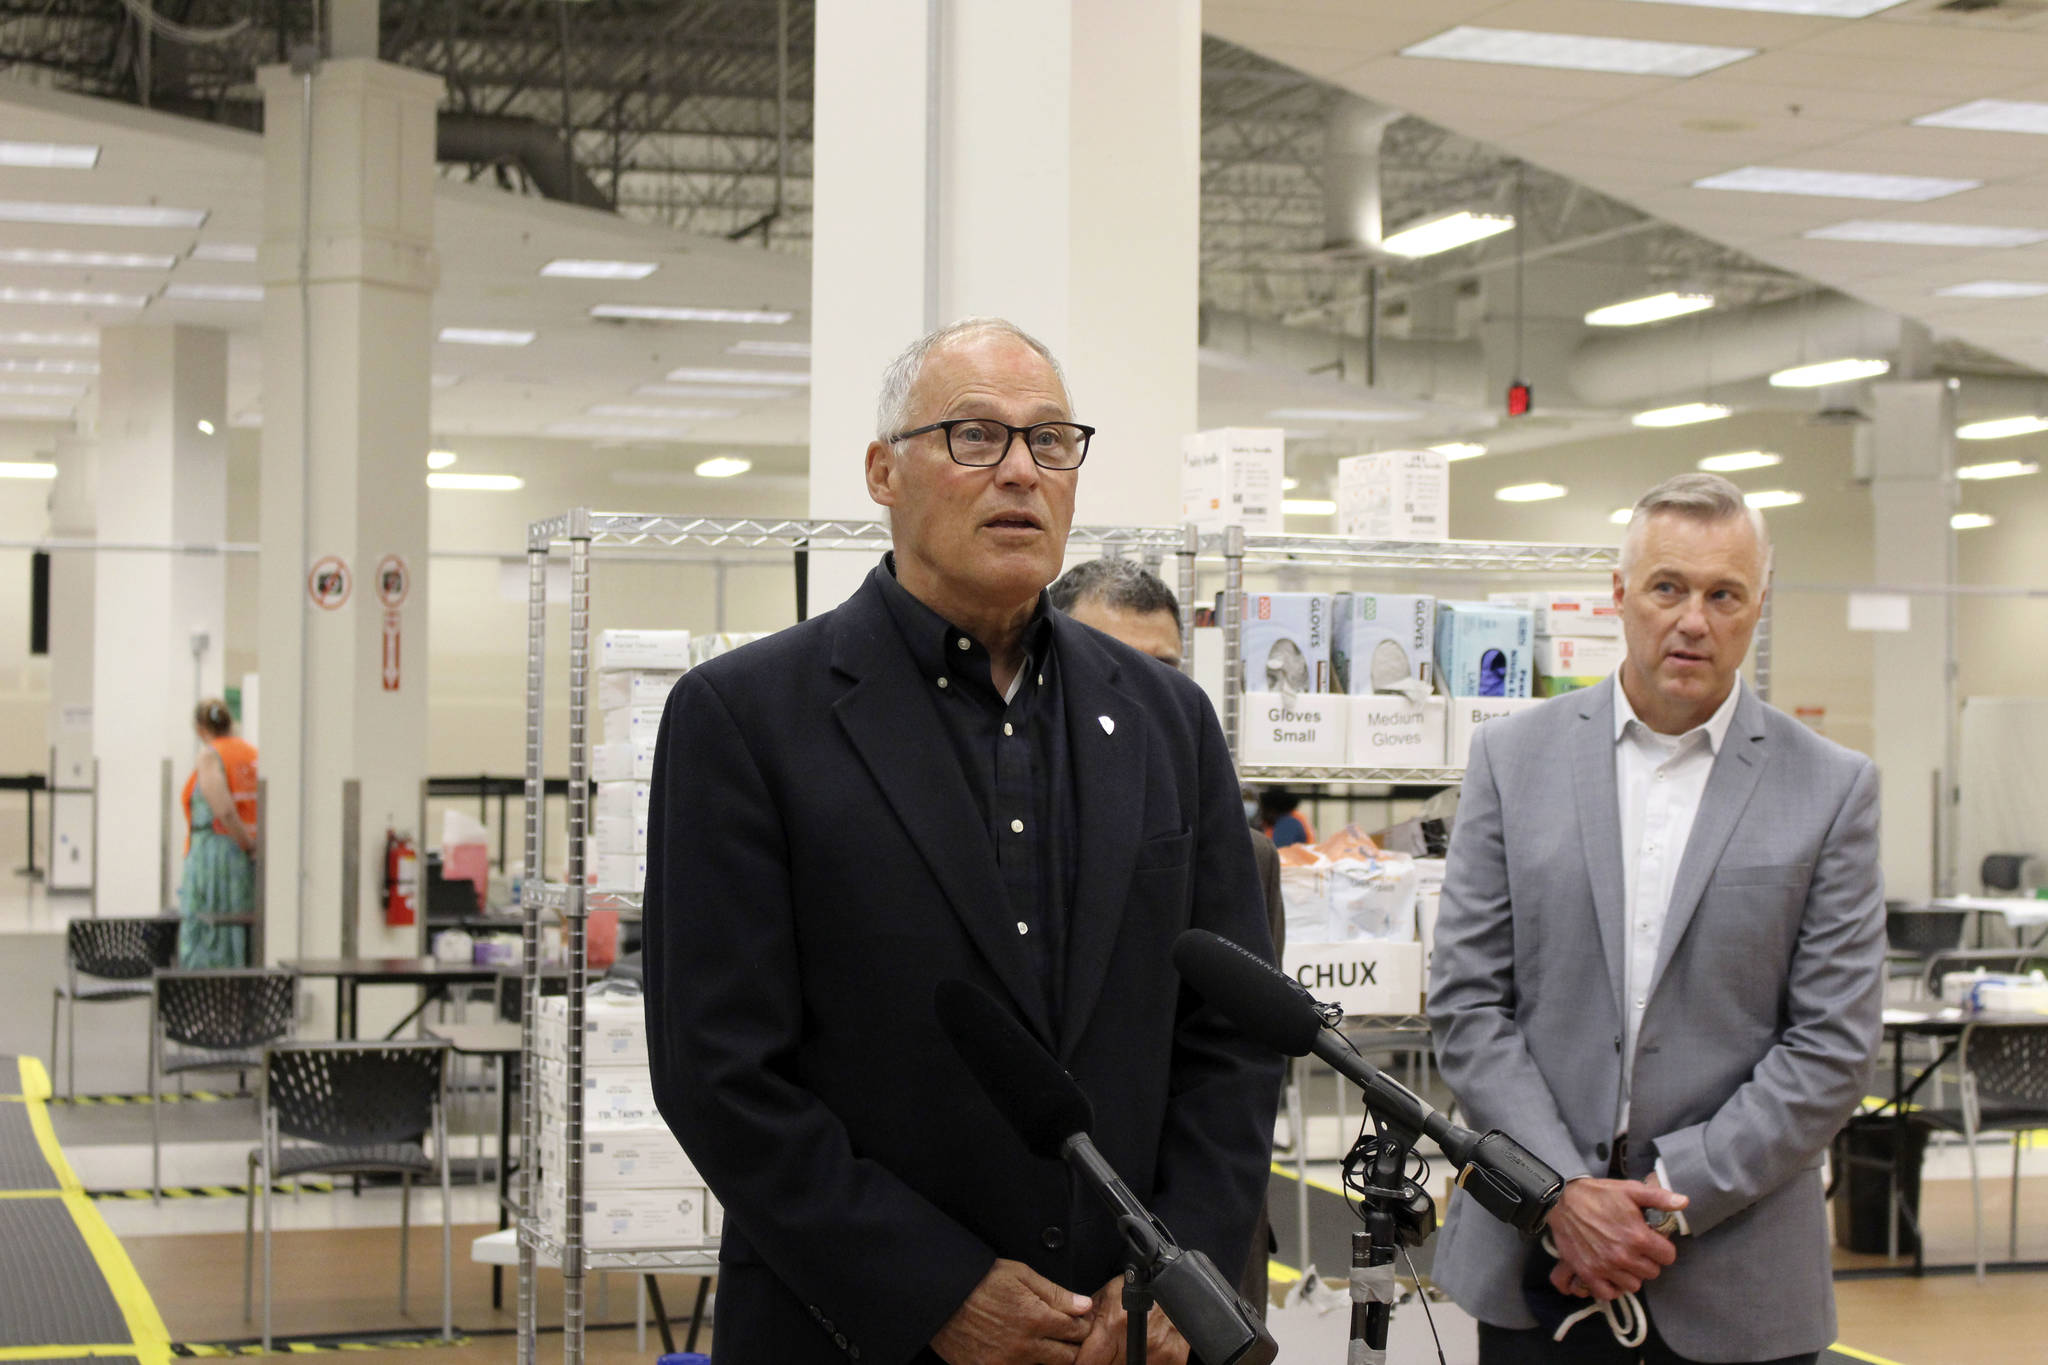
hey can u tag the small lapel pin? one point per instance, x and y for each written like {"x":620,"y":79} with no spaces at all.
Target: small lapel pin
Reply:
{"x":1108,"y":725}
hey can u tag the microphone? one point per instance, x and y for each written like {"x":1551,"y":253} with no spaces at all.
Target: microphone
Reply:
{"x":1051,"y":1114}
{"x":1271,"y":1008}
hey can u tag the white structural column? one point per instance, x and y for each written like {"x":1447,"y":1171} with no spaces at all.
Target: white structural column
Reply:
{"x":158,"y":617}
{"x":1907,"y":451}
{"x":347,"y":336}
{"x":74,"y":515}
{"x":1037,"y":162}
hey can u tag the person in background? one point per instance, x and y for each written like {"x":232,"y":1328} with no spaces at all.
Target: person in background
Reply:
{"x":1128,"y":602}
{"x":1280,"y":816}
{"x":220,"y":812}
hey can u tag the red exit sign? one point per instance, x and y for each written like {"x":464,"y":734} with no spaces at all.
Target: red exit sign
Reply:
{"x":1520,"y":399}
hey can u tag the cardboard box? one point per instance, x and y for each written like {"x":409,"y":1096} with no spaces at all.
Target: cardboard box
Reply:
{"x":615,"y":872}
{"x":629,"y":1219}
{"x":1307,"y":730}
{"x":636,"y":687}
{"x":643,"y":649}
{"x":624,"y":761}
{"x":1389,"y":731}
{"x":1566,"y":663}
{"x":1381,"y":639}
{"x":616,"y":1158}
{"x":622,"y":801}
{"x":1364,"y":976}
{"x":1566,"y":613}
{"x":1483,"y":650}
{"x":1467,"y":714}
{"x":1394,"y":495}
{"x":1285,"y":643}
{"x":614,"y":1030}
{"x":631,"y":725}
{"x":1233,"y":477}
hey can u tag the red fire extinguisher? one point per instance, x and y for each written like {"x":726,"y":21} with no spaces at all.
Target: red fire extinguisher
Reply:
{"x":401,"y":878}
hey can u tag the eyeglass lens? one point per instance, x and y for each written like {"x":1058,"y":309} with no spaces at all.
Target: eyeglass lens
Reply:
{"x":1056,"y":445}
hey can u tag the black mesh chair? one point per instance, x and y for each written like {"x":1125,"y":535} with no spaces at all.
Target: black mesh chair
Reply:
{"x":352,"y":1109}
{"x":122,"y":953}
{"x":216,"y":1020}
{"x":2004,"y":1089}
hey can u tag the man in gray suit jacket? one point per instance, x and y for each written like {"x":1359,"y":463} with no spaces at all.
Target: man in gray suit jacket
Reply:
{"x":1658,"y":965}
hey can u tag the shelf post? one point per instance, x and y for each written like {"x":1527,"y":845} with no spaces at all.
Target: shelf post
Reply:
{"x":1190,"y":545}
{"x":530,"y":885}
{"x":573,"y":924}
{"x":1233,"y":633}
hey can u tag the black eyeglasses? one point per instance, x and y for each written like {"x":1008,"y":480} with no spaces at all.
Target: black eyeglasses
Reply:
{"x":980,"y":442}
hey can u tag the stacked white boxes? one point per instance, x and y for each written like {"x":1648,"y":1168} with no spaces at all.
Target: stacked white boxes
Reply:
{"x":1578,"y":637}
{"x":1394,"y":495}
{"x":640,"y":1189}
{"x":1233,"y":477}
{"x":637,"y":669}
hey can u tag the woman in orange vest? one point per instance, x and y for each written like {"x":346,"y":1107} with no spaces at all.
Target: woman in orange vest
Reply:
{"x":220,"y":812}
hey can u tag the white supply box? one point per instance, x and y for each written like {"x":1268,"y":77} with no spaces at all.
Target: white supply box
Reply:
{"x":1306,"y":731}
{"x":1382,"y":639}
{"x":617,"y":1158}
{"x":621,"y":762}
{"x":1392,"y":732}
{"x":1566,"y":613}
{"x":629,"y":1219}
{"x":714,"y":1217}
{"x":1429,"y":890}
{"x":636,"y":687}
{"x":1467,"y":714}
{"x":628,"y":801}
{"x":613,"y":1096}
{"x":637,"y":725}
{"x":1364,"y":976}
{"x":1566,"y":663}
{"x":1285,"y":643}
{"x":668,"y":650}
{"x":616,"y":872}
{"x":1233,"y":476}
{"x":1394,"y":495}
{"x":1483,"y":650}
{"x":613,"y":838}
{"x":614,"y":1030}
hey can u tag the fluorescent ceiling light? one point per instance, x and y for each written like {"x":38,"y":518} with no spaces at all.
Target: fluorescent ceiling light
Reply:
{"x":1736,"y":460}
{"x":1445,"y":233}
{"x":1651,"y":308}
{"x":1341,"y":415}
{"x":649,"y":312}
{"x":205,"y":427}
{"x":87,"y":340}
{"x":1994,"y":289}
{"x":1991,"y":116}
{"x":1459,"y":450}
{"x":723,"y":467}
{"x":1828,"y":372}
{"x":440,"y":459}
{"x":619,"y":431}
{"x":215,"y":293}
{"x":1621,"y":516}
{"x":35,"y":410}
{"x":99,"y":215}
{"x":1896,"y":232}
{"x":30,"y":389}
{"x":1911,"y":189}
{"x":692,"y":374}
{"x":486,"y":336}
{"x":1308,"y":507}
{"x":1530,"y":492}
{"x":233,"y":253}
{"x":706,"y":391}
{"x":40,"y":365}
{"x":1999,"y":427}
{"x":27,"y":469}
{"x":1998,"y":469}
{"x":659,"y":414}
{"x":566,"y":268}
{"x":1774,"y":497}
{"x":1684,"y":414}
{"x":1971,"y":521}
{"x":50,"y":156}
{"x":73,"y":298}
{"x":477,"y":483}
{"x":1825,"y":9}
{"x":1289,"y":484}
{"x":788,"y":350}
{"x":1575,"y":52}
{"x":111,"y":260}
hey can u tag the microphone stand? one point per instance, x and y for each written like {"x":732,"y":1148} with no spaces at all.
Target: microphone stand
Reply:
{"x":1372,"y":1252}
{"x":1141,"y":1253}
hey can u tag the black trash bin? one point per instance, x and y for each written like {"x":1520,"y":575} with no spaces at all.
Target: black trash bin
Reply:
{"x":1862,"y":1161}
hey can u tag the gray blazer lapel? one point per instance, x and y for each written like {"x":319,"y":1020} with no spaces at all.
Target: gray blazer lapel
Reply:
{"x":1736,"y":770}
{"x":1600,"y":825}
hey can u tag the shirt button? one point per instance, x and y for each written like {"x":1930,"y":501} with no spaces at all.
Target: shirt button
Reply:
{"x":1661,"y":776}
{"x":1639,"y":1002}
{"x":1041,"y":680}
{"x":1006,"y":728}
{"x":942,"y":682}
{"x":963,"y":642}
{"x":1022,"y":927}
{"x":1054,"y":1238}
{"x":1016,"y":827}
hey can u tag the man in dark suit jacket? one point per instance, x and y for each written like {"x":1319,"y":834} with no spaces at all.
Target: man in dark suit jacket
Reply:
{"x":944,"y":779}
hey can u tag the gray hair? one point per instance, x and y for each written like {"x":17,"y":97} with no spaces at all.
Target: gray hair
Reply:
{"x":1697,"y":497}
{"x":892,"y":410}
{"x":1119,"y":584}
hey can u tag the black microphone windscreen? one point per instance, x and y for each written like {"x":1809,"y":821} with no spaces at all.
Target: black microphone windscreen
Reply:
{"x":1025,"y":1084}
{"x":1267,"y":1006}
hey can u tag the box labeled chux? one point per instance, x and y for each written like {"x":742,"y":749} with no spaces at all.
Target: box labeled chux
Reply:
{"x":1394,"y":495}
{"x":1483,"y":650}
{"x":1365,"y":976}
{"x":1285,"y":642}
{"x":1566,"y":613}
{"x":1566,"y":663}
{"x":663,"y":649}
{"x":1232,"y":477}
{"x":1299,"y":730}
{"x":1382,"y":639}
{"x":1467,"y":714}
{"x":1389,"y":731}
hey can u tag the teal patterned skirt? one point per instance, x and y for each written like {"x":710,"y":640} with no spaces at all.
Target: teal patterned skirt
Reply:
{"x":219,"y":879}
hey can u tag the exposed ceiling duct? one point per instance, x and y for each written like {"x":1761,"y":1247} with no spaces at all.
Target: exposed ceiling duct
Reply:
{"x":536,"y":149}
{"x":1722,"y":348}
{"x":1440,"y":371}
{"x":1351,"y":174}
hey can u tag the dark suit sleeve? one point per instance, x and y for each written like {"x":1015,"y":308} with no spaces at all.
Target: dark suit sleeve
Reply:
{"x":1217,"y":1145}
{"x":725,"y":1013}
{"x":1268,"y":859}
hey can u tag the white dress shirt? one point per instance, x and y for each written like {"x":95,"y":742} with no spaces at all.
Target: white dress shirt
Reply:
{"x":1660,"y":780}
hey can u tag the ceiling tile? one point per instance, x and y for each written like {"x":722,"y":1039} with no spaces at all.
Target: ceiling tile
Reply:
{"x":1930,"y":76}
{"x":1909,"y":38}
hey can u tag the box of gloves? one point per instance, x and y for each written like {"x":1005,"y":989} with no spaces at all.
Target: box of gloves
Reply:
{"x":1382,"y":641}
{"x":1285,"y":642}
{"x":1483,"y":650}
